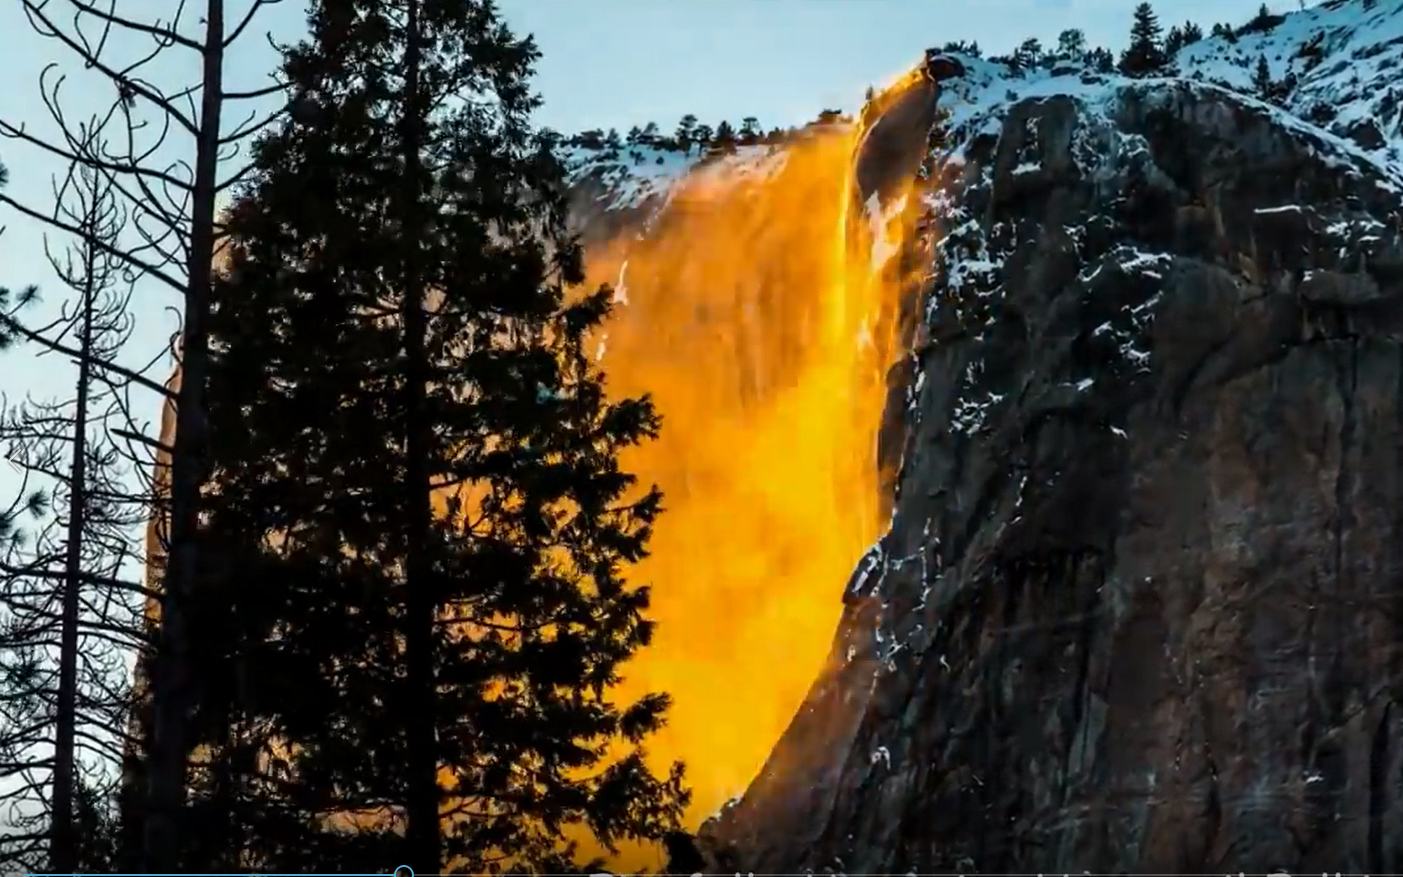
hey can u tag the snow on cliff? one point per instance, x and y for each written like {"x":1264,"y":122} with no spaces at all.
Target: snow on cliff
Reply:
{"x":1334,"y":67}
{"x":1332,"y":91}
{"x":628,"y":176}
{"x":631,"y":176}
{"x":1339,"y":63}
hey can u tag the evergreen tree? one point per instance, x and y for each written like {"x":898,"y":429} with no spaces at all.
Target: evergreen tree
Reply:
{"x":1263,"y":20}
{"x":963,"y":47}
{"x":1145,"y":55}
{"x":750,"y":130}
{"x":1029,"y":54}
{"x":686,"y":132}
{"x":420,"y":519}
{"x":1226,"y":32}
{"x":1071,"y":44}
{"x":1261,"y":79}
{"x":725,"y":138}
{"x":1173,"y":41}
{"x":1192,"y":33}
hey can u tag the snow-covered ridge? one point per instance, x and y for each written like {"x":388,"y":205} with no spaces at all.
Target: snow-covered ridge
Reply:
{"x":977,"y":106}
{"x":629,"y":176}
{"x":1336,"y":68}
{"x":1108,"y":142}
{"x":1339,"y":62}
{"x":633,"y":176}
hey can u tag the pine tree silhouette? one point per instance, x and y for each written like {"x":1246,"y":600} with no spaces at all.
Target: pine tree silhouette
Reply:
{"x":423,"y":527}
{"x":1145,"y":56}
{"x":725,"y":137}
{"x":1173,"y":41}
{"x":1261,"y":78}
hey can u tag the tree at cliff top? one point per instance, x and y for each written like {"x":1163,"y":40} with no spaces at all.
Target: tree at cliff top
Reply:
{"x":1261,"y":78}
{"x":1180,"y":36}
{"x":1071,"y":44}
{"x":1226,"y":32}
{"x":1029,"y":54}
{"x":1145,"y":55}
{"x":725,"y":139}
{"x":1262,"y":22}
{"x":404,"y":417}
{"x":1101,"y":60}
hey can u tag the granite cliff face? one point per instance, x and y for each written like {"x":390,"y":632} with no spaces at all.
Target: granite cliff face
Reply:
{"x":1140,"y":603}
{"x":1138,"y":606}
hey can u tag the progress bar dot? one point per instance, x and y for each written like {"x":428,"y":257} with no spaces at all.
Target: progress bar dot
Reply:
{"x":404,"y":871}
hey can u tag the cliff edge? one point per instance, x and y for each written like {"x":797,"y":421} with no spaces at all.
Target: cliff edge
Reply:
{"x":1140,"y":601}
{"x":1138,"y":607}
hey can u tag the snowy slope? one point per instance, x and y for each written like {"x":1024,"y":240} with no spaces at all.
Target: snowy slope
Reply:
{"x":630,"y":176}
{"x":1338,"y":66}
{"x":979,"y":101}
{"x":1339,"y":63}
{"x":972,"y":255}
{"x":1346,"y":60}
{"x":637,"y":176}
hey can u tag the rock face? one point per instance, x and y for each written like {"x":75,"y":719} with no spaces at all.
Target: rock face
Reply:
{"x":1141,"y":600}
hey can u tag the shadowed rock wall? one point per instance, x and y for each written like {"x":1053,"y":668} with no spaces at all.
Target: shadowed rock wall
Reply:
{"x":1139,"y":605}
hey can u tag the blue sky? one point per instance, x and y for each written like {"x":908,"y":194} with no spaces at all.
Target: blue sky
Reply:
{"x":607,"y":63}
{"x":622,"y":62}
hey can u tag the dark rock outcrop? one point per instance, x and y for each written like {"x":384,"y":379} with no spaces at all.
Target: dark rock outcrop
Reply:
{"x":1141,"y":601}
{"x":894,"y":140}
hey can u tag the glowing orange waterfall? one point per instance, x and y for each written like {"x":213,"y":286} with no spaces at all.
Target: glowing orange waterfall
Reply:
{"x":757,"y":311}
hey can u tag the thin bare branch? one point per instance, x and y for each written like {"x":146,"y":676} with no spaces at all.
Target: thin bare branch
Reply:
{"x":167,"y":35}
{"x":146,"y":440}
{"x":18,"y":133}
{"x":35,"y":9}
{"x":112,"y":367}
{"x":135,"y":263}
{"x":257,"y":92}
{"x":232,"y":36}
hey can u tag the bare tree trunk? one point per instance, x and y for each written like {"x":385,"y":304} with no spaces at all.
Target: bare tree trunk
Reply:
{"x":171,"y":695}
{"x":63,"y":841}
{"x":177,"y":236}
{"x":422,"y":831}
{"x":75,"y":559}
{"x":132,"y":797}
